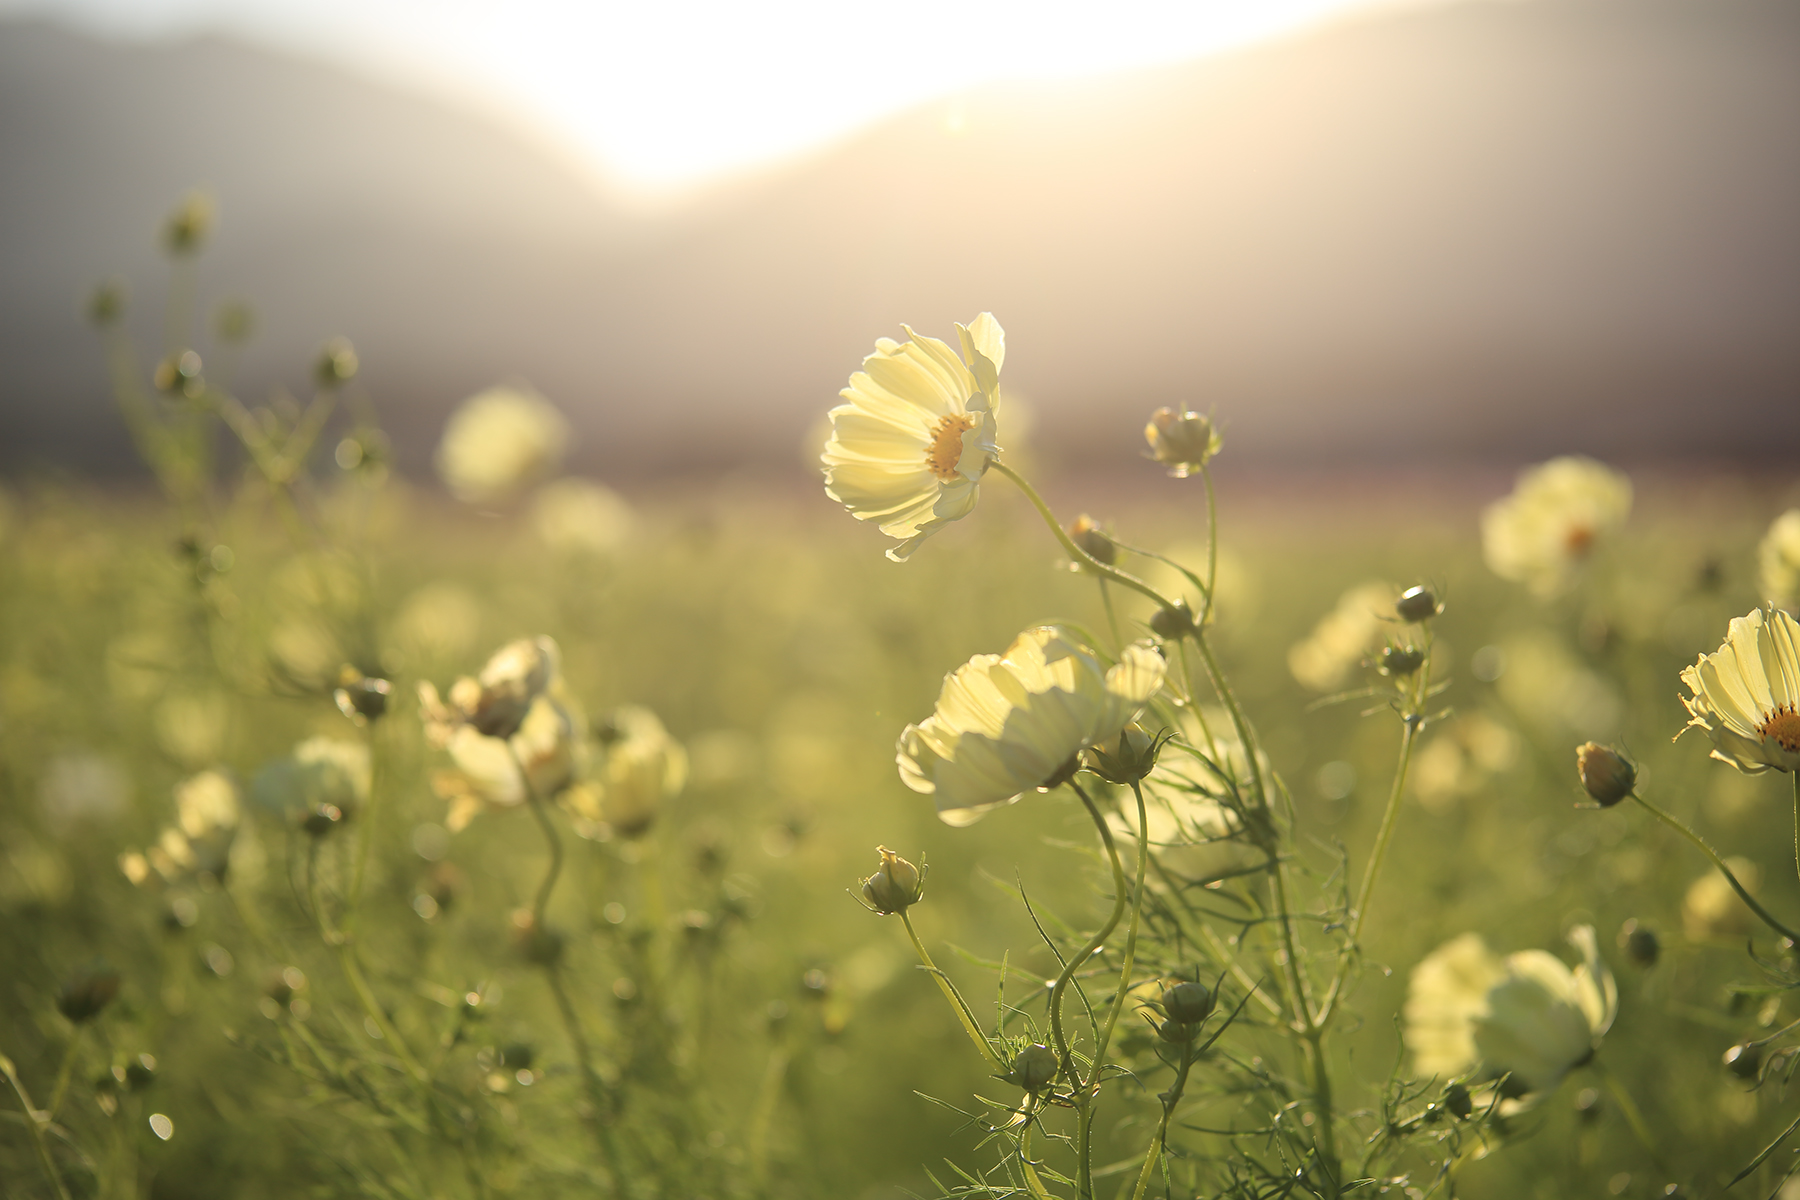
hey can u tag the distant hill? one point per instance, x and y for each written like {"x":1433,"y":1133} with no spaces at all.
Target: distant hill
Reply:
{"x":1481,"y":232}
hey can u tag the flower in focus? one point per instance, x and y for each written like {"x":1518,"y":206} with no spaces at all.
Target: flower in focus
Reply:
{"x":1007,"y":723}
{"x":1541,"y":534}
{"x":909,"y":446}
{"x":644,"y":767}
{"x":895,"y":886}
{"x":513,"y":732}
{"x":574,"y":516}
{"x":1527,"y":1016}
{"x":1342,"y":638}
{"x":1778,"y":561}
{"x":1711,"y":909}
{"x":1746,"y":694}
{"x":498,"y":442}
{"x":321,"y":772}
{"x":1183,"y":441}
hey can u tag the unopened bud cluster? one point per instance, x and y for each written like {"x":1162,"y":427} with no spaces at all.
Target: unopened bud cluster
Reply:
{"x":895,"y":886}
{"x":1125,"y":760}
{"x":1034,"y":1068}
{"x":1186,"y":1005}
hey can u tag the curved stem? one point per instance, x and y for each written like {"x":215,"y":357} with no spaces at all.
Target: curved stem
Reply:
{"x":65,"y":1072}
{"x":346,"y":954}
{"x":1170,"y":1099}
{"x":1680,"y":827}
{"x":35,"y":1122}
{"x":955,"y":998}
{"x":1082,"y":558}
{"x":1033,"y":1184}
{"x":542,"y":900}
{"x":1065,"y":1058}
{"x":1212,"y":547}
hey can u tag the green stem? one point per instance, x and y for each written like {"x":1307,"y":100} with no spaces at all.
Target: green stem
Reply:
{"x":1796,"y":778}
{"x":542,"y":899}
{"x":346,"y":954}
{"x":963,"y":1014}
{"x":1170,"y":1099}
{"x":65,"y":1072}
{"x":35,"y":1122}
{"x":1033,"y":1184}
{"x":1680,"y":827}
{"x":1064,"y":1057}
{"x":590,"y":1078}
{"x":365,"y":836}
{"x":1212,"y":548}
{"x":1082,"y":558}
{"x":1131,"y":935}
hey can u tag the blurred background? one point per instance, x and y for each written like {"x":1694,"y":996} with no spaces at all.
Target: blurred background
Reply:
{"x":1439,"y":235}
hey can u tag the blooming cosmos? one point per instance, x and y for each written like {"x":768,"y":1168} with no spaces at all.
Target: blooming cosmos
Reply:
{"x":1541,"y":534}
{"x":498,"y":442}
{"x":1778,"y":561}
{"x":1343,"y":637}
{"x":207,"y":817}
{"x":321,"y":771}
{"x":909,"y":445}
{"x":644,"y":767}
{"x":1526,"y":1016}
{"x":1746,"y":694}
{"x":1007,"y":723}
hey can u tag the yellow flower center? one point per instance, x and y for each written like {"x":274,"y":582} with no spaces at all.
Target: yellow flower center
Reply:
{"x":1784,"y":726}
{"x":946,"y":446}
{"x":1580,"y":541}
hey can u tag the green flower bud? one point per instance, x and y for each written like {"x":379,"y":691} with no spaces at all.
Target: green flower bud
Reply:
{"x":1417,"y":605}
{"x":1607,"y":775}
{"x":140,"y":1072}
{"x":322,"y":820}
{"x":185,"y":230}
{"x":107,"y":303}
{"x":1174,"y":622}
{"x":1127,"y":760}
{"x":86,"y":992}
{"x":537,"y":944}
{"x":1457,"y":1101}
{"x":1034,"y":1069}
{"x":895,"y":886}
{"x":1182,"y":441}
{"x":336,"y":364}
{"x":1188,"y":1003}
{"x":179,"y":375}
{"x":360,"y":697}
{"x":1744,"y":1060}
{"x":1093,"y":540}
{"x":1641,"y":946}
{"x":1400,"y":661}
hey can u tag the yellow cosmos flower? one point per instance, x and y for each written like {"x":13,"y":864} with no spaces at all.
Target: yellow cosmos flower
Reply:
{"x":207,"y":815}
{"x":1747,"y":693}
{"x":1526,"y":1016}
{"x":1344,"y":637}
{"x":1541,"y":534}
{"x":644,"y":767}
{"x":320,"y":771}
{"x":498,"y":442}
{"x":1778,"y":561}
{"x":916,"y":432}
{"x":1007,"y":723}
{"x":495,"y":702}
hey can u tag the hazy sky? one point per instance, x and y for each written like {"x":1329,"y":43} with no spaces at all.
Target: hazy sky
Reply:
{"x":659,"y":94}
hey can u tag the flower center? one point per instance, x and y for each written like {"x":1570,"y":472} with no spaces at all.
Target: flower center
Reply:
{"x":1580,"y":541}
{"x":946,"y":447}
{"x":1783,"y":726}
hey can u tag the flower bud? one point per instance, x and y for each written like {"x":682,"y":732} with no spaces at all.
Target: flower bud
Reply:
{"x":1174,"y":622}
{"x":1639,"y":943}
{"x":1607,"y":775}
{"x":1126,"y":760}
{"x":1093,"y":540}
{"x":1744,"y":1060}
{"x":86,"y":992}
{"x":107,"y":304}
{"x":336,"y":364}
{"x":140,"y":1072}
{"x":1034,"y":1069}
{"x":537,"y":944}
{"x":1400,"y":662}
{"x":1457,"y":1101}
{"x":1188,"y":1003}
{"x":322,"y":820}
{"x":185,"y":230}
{"x":1417,"y":605}
{"x":360,"y":697}
{"x":1182,"y":441}
{"x":179,"y":374}
{"x":895,"y":886}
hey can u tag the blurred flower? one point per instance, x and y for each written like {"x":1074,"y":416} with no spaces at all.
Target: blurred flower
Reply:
{"x":185,"y":229}
{"x":1342,"y":638}
{"x":1461,"y":759}
{"x":82,"y":786}
{"x":498,"y":442}
{"x":1526,"y":1016}
{"x":1183,"y":441}
{"x":1006,"y":723}
{"x":191,"y":726}
{"x":321,"y":771}
{"x":574,"y":516}
{"x":909,"y":448}
{"x":644,"y":767}
{"x":1712,"y":910}
{"x":1746,"y":695}
{"x":439,"y":621}
{"x":495,"y":703}
{"x":1547,"y":686}
{"x":207,"y":816}
{"x":1541,"y":534}
{"x":1778,"y":561}
{"x":84,"y":994}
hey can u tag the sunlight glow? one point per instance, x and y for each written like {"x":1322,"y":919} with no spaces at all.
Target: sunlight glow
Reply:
{"x":662,"y":96}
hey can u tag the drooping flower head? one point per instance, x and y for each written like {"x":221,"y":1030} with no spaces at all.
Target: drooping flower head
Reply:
{"x":1542,"y":534}
{"x":1778,"y":561}
{"x":1526,"y":1016}
{"x":498,"y":442}
{"x":1007,"y":723}
{"x":1746,"y":694}
{"x":916,"y":432}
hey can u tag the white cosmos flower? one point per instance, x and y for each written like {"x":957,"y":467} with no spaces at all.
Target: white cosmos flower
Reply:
{"x":1541,"y":534}
{"x":1778,"y":561}
{"x":498,"y":442}
{"x":1746,"y":694}
{"x":909,"y":445}
{"x":1526,"y":1016}
{"x":1007,"y":723}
